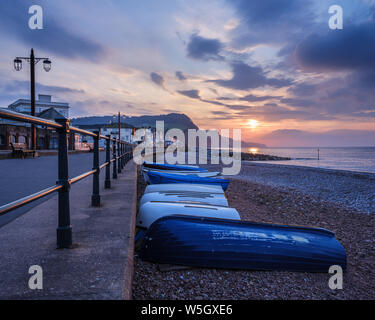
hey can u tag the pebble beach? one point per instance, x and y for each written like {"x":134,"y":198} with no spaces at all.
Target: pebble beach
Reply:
{"x":340,"y":201}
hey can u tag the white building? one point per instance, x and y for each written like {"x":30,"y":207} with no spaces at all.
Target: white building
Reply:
{"x":83,"y":142}
{"x":43,"y":103}
{"x":125,"y":133}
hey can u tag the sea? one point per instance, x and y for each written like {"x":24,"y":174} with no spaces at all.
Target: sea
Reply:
{"x":359,"y":159}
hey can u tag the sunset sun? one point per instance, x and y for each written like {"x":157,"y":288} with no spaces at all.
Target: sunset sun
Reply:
{"x":252,"y":123}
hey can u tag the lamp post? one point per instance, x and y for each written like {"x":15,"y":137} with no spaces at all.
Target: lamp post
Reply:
{"x":47,"y":67}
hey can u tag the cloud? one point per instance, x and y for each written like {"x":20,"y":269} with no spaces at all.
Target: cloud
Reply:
{"x":349,"y":96}
{"x":54,"y":38}
{"x":298,"y":102}
{"x":180,"y":76}
{"x":193,"y":94}
{"x":220,"y":113}
{"x":247,"y":77}
{"x":21,"y":87}
{"x":350,"y":49}
{"x":253,"y":98}
{"x":271,"y":21}
{"x":204,"y":49}
{"x":157,"y":79}
{"x":303,"y":89}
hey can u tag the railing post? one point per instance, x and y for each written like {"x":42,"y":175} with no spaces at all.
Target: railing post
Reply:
{"x":64,"y":229}
{"x":123,"y":159}
{"x":95,"y":198}
{"x":126,"y":153}
{"x":119,"y":155}
{"x":114,"y":176}
{"x":107,"y":183}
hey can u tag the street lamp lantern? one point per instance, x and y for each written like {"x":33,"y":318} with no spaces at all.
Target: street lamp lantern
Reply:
{"x":18,"y":64}
{"x":47,"y":65}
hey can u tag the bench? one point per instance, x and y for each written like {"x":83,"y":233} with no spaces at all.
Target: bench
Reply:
{"x":20,"y":150}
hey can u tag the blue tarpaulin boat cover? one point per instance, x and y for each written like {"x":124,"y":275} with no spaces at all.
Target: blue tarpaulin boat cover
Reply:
{"x":231,"y":244}
{"x":161,"y":177}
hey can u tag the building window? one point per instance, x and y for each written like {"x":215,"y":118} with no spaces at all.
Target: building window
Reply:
{"x":41,"y":143}
{"x":22,"y":139}
{"x":53,"y":143}
{"x":2,"y":140}
{"x":12,"y":139}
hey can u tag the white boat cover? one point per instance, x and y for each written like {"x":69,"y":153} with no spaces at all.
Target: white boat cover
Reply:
{"x":151,"y":211}
{"x":204,"y":197}
{"x":184,"y":187}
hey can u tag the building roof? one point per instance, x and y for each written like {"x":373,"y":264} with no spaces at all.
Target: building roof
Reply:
{"x":44,"y":100}
{"x":50,"y":114}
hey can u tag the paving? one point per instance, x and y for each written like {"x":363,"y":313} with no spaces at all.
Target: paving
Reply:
{"x":23,"y":177}
{"x":99,"y":267}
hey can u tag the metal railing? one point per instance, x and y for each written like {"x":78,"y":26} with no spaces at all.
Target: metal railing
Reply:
{"x":121,"y":153}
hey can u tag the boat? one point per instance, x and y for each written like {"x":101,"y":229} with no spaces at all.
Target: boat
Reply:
{"x":208,"y":198}
{"x":184,"y":187}
{"x":165,"y":166}
{"x":158,"y":177}
{"x":191,"y":173}
{"x":230,"y":244}
{"x":153,"y":210}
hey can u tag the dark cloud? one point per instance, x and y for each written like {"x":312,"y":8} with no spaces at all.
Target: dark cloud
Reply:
{"x":351,"y":95}
{"x":352,"y":48}
{"x":214,"y":91}
{"x":220,"y":112}
{"x":204,"y":49}
{"x":253,"y":98}
{"x":249,"y":98}
{"x":271,"y":21}
{"x":54,"y":38}
{"x":273,"y":112}
{"x":237,"y":107}
{"x":180,"y":76}
{"x":303,"y":89}
{"x":157,"y":79}
{"x":193,"y":94}
{"x":247,"y":77}
{"x":298,"y":102}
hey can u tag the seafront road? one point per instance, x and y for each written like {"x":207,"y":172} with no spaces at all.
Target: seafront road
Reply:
{"x":20,"y":178}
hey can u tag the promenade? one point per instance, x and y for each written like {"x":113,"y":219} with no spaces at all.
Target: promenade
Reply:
{"x":100,"y":266}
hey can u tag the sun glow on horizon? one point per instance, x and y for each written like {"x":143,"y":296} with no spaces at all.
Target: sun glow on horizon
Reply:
{"x":252,"y":123}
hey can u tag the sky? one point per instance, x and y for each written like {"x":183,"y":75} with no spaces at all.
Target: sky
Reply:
{"x":272,"y":68}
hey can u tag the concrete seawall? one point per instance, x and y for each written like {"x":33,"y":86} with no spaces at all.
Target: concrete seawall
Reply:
{"x":100,"y":267}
